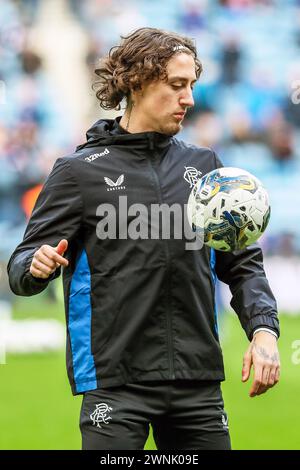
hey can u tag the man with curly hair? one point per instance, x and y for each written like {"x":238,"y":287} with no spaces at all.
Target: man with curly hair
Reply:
{"x":142,"y":338}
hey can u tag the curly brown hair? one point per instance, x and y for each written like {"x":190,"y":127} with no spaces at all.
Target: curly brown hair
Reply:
{"x":141,"y":57}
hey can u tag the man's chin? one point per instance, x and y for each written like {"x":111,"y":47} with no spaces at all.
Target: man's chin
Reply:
{"x":172,"y":129}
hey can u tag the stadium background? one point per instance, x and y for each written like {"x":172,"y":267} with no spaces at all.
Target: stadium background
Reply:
{"x":244,"y":109}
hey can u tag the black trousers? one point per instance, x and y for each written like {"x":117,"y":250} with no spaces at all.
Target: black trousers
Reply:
{"x":184,"y":414}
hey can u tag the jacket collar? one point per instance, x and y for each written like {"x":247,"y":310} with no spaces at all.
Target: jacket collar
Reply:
{"x":109,"y":132}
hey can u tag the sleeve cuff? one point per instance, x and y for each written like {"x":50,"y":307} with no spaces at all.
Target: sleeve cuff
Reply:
{"x":265,"y":329}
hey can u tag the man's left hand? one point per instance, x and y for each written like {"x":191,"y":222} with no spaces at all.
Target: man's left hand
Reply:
{"x":264,"y":356}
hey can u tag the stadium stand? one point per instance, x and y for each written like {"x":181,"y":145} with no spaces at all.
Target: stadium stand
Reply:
{"x":243,"y":102}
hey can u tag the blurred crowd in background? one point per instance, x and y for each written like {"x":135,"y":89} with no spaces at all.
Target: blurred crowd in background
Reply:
{"x":246,"y":105}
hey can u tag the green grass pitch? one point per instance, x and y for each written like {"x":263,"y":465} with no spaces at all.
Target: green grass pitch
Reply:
{"x":37,"y":410}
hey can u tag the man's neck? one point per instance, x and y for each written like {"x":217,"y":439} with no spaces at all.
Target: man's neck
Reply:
{"x":133,"y":125}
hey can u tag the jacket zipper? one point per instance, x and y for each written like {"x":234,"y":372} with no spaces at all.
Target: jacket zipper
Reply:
{"x":168,"y":260}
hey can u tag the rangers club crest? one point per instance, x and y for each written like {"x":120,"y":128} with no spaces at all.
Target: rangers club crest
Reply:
{"x":100,"y":414}
{"x":192,"y":175}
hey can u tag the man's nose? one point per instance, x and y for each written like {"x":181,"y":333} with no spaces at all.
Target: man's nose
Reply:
{"x":187,"y":99}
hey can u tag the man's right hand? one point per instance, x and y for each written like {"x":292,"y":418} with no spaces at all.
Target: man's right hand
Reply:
{"x":47,"y":259}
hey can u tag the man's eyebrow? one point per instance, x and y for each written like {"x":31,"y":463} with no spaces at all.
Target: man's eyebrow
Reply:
{"x":185,"y":79}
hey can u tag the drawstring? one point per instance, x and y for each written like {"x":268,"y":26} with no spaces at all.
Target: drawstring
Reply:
{"x":151,"y":142}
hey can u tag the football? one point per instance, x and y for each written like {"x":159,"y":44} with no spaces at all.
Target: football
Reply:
{"x":228,"y":209}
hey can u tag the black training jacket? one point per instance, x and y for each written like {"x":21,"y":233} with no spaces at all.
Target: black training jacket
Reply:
{"x":136,"y":309}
